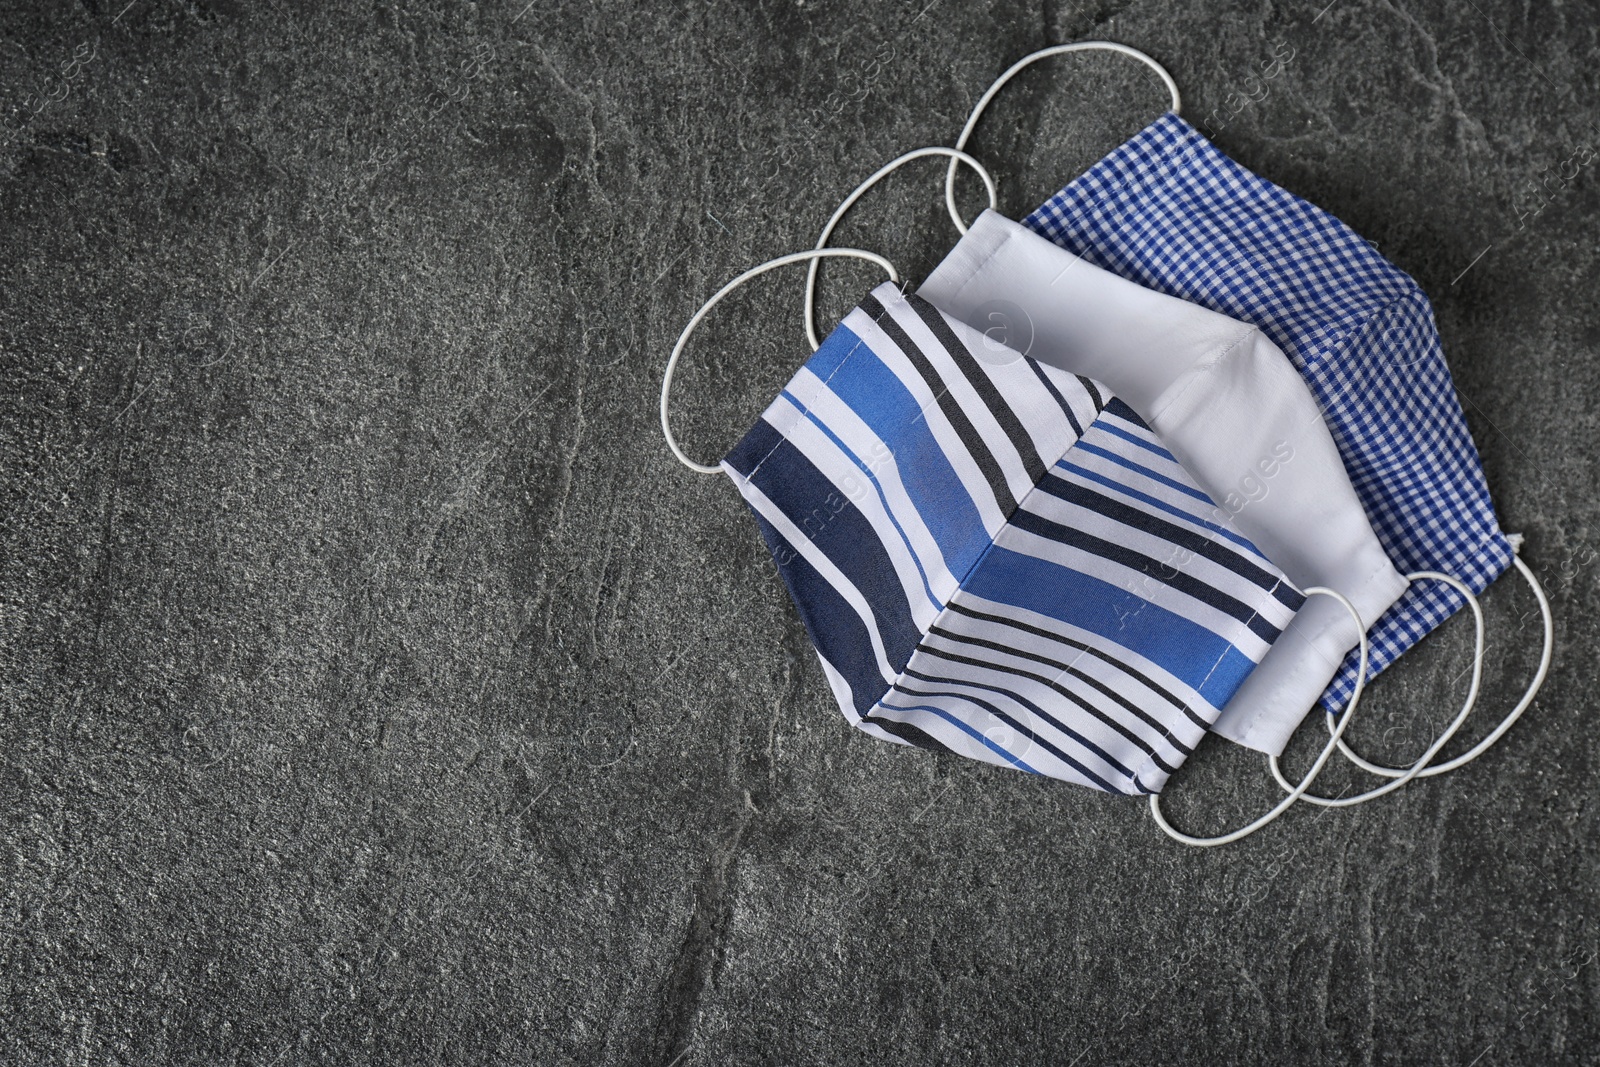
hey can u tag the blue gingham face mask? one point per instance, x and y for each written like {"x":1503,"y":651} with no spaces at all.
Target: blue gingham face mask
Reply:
{"x":996,"y":558}
{"x":1170,"y":212}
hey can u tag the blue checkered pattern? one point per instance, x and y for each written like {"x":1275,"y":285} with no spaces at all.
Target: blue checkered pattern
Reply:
{"x":1168,"y":210}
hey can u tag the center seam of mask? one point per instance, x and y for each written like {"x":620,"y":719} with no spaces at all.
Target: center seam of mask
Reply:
{"x":1484,"y":559}
{"x":994,"y":542}
{"x":1202,"y":368}
{"x":977,"y":268}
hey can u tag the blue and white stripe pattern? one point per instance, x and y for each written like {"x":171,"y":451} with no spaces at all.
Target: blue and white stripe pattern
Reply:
{"x":1168,"y":210}
{"x":995,"y":558}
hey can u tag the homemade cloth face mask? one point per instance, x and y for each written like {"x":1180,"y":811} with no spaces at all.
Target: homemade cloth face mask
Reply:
{"x":996,"y":558}
{"x":1167,"y":210}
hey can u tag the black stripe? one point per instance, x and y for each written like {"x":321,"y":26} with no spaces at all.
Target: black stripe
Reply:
{"x":1105,"y":756}
{"x":1094,"y":394}
{"x":1066,"y":408}
{"x":1061,"y":668}
{"x":1164,"y":573}
{"x":983,"y":385}
{"x":1127,"y":414}
{"x":1144,"y":746}
{"x":1281,"y":589}
{"x":1132,"y":672}
{"x":1015,"y":725}
{"x":908,"y":733}
{"x":963,"y":427}
{"x":1192,"y":540}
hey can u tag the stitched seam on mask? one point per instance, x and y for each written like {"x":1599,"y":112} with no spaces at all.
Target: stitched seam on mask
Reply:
{"x":1362,"y":325}
{"x":1254,"y":615}
{"x":989,"y":257}
{"x":1150,"y":765}
{"x":1201,"y":368}
{"x":1362,"y":329}
{"x":961,"y":583}
{"x":1486,"y":555}
{"x":795,"y":420}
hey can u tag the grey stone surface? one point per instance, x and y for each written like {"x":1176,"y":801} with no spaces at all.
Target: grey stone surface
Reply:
{"x":376,"y":688}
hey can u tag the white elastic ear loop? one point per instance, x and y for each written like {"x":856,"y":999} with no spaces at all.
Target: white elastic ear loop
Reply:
{"x":1505,"y":724}
{"x":1401,"y":777}
{"x":1022,"y":64}
{"x":956,"y":156}
{"x":683,"y":338}
{"x":1316,"y":768}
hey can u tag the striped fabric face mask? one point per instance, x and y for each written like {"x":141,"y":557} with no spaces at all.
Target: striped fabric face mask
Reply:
{"x":996,"y":558}
{"x":1171,"y":213}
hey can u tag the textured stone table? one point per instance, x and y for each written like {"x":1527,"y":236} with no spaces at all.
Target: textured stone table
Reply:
{"x":376,"y":688}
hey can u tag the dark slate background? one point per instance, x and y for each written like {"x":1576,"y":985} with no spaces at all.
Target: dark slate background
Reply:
{"x":377,"y":689}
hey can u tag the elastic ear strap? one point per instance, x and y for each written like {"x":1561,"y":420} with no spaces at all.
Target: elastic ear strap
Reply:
{"x":683,"y":338}
{"x":956,"y":156}
{"x":1401,"y":777}
{"x":1511,"y":717}
{"x":1017,"y":68}
{"x":1316,"y":768}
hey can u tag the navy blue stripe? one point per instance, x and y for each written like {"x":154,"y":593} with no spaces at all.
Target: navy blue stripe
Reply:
{"x":1164,"y":573}
{"x":1066,"y":408}
{"x":1017,"y":726}
{"x":839,"y":530}
{"x":1061,"y":668}
{"x":1206,"y":661}
{"x":1110,"y":760}
{"x":988,"y":664}
{"x":1158,"y":503}
{"x":837,"y":632}
{"x":981,"y":383}
{"x":1128,"y":669}
{"x":1133,"y":438}
{"x":1200,"y":545}
{"x":1118,"y":407}
{"x":1094,"y":394}
{"x":1139,"y":468}
{"x":906,"y":732}
{"x":966,"y":728}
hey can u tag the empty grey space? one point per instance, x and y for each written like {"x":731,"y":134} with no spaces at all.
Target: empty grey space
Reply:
{"x":376,"y":689}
